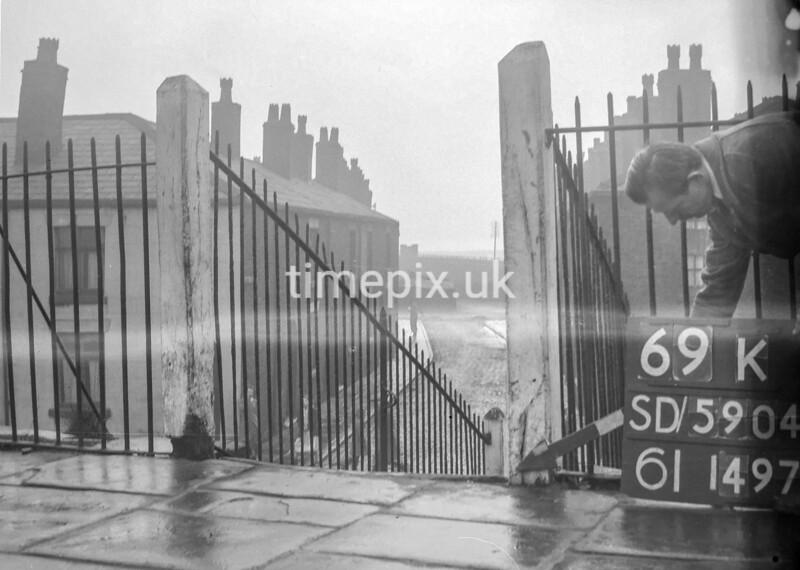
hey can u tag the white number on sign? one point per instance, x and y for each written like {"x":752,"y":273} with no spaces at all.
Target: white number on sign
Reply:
{"x":646,"y":458}
{"x":733,"y":475}
{"x":770,"y":430}
{"x":733,"y":412}
{"x":789,"y":421}
{"x":652,"y":348}
{"x":696,"y":355}
{"x":793,"y":465}
{"x":762,"y":471}
{"x":705,"y":406}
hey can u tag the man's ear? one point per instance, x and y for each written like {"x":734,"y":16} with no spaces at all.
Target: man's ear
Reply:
{"x":696,"y":173}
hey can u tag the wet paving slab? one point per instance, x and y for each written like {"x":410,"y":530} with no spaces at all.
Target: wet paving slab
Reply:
{"x":731,"y":536}
{"x":149,"y":475}
{"x":15,"y":462}
{"x":447,"y":542}
{"x":266,"y":508}
{"x":148,"y":538}
{"x":321,"y":484}
{"x":609,"y":562}
{"x":35,"y":562}
{"x":28,"y":514}
{"x":311,"y":560}
{"x":547,"y":507}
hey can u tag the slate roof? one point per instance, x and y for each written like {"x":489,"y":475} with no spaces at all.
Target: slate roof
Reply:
{"x":308,"y":197}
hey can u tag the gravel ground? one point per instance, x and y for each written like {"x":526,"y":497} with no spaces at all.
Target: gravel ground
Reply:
{"x":471,"y":353}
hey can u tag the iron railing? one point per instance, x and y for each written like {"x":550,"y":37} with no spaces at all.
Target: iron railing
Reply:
{"x":593,"y":277}
{"x":57,"y":238}
{"x":593,"y":313}
{"x":330,"y":379}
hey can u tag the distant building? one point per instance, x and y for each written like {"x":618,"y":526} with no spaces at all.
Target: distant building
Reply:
{"x":341,"y":216}
{"x":695,"y":83}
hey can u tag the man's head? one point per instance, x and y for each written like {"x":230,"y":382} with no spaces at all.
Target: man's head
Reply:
{"x":670,"y":178}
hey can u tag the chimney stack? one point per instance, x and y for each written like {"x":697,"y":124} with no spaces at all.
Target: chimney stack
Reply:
{"x":302,"y":151}
{"x":277,"y":141}
{"x":647,"y":84}
{"x":226,"y":119}
{"x":330,"y":159}
{"x":695,"y":57}
{"x":673,"y":57}
{"x":41,"y":104}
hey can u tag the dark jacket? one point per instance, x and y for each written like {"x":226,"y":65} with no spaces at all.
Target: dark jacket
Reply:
{"x":757,"y":168}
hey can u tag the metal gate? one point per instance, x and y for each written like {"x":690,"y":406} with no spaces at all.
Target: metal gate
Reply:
{"x":593,"y":276}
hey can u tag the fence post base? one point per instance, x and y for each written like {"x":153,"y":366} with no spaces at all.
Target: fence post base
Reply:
{"x":495,"y":455}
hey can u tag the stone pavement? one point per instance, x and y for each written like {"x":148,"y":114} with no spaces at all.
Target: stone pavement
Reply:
{"x":64,"y":511}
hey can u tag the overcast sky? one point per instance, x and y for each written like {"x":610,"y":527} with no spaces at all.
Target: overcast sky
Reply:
{"x":411,"y":85}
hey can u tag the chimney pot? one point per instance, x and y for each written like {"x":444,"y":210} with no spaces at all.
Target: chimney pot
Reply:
{"x":48,"y":50}
{"x":286,"y":112}
{"x":353,"y":163}
{"x":695,"y":56}
{"x":323,"y":134}
{"x":335,"y":134}
{"x":301,"y":124}
{"x":273,"y":112}
{"x":226,"y":86}
{"x":673,"y":57}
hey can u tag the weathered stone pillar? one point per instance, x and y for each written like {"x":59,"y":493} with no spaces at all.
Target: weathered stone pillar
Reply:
{"x":495,"y":452}
{"x":185,"y":217}
{"x":529,"y":234}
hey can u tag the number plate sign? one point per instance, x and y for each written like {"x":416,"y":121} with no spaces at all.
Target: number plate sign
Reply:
{"x":712,"y":412}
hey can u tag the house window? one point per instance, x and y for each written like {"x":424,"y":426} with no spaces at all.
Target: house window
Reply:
{"x":86,"y":254}
{"x":313,"y":232}
{"x":696,"y":263}
{"x":370,"y":260}
{"x":697,"y":224}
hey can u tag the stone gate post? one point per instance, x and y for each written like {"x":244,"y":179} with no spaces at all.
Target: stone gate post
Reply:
{"x":529,"y":236}
{"x":185,"y":259}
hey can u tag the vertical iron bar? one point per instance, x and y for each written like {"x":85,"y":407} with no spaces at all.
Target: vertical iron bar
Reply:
{"x":336,"y":377}
{"x":232,"y":308}
{"x":100,"y":257}
{"x":345,"y":396}
{"x":215,"y":278}
{"x":398,"y":394}
{"x":290,"y":378}
{"x":651,"y":278}
{"x":353,"y":354}
{"x":267,"y":329}
{"x":147,"y":319}
{"x":256,"y":324}
{"x":368,"y":364}
{"x":309,"y":353}
{"x":383,"y":434}
{"x":26,"y":215}
{"x":52,"y":292}
{"x":300,"y":391}
{"x":612,"y":154}
{"x":76,"y":325}
{"x":11,"y":404}
{"x":278,"y":335}
{"x":123,"y":295}
{"x":243,"y":314}
{"x":326,"y":293}
{"x":684,"y":246}
{"x":362,"y":354}
{"x":791,"y":261}
{"x":428,"y":415}
{"x":317,"y":368}
{"x":755,"y":255}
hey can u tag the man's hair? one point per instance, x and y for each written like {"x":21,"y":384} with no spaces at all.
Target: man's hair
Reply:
{"x":662,"y":166}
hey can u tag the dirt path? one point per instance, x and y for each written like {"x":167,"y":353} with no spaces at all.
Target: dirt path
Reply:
{"x":472,"y":353}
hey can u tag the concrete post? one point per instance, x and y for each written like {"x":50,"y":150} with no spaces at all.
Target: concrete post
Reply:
{"x":185,"y":259}
{"x":529,"y":236}
{"x":495,"y":454}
